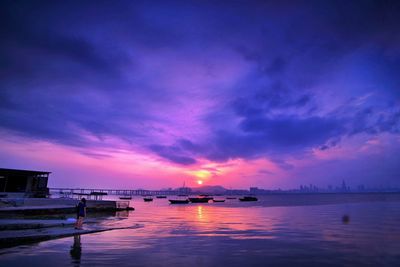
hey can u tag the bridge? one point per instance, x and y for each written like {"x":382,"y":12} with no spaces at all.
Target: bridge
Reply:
{"x":118,"y":192}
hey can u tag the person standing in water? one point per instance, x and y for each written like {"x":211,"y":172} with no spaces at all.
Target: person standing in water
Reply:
{"x":81,"y":213}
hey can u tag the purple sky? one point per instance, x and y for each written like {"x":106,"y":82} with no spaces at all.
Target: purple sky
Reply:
{"x":237,"y":93}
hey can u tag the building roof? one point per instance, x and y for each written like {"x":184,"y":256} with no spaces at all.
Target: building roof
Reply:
{"x":21,"y":172}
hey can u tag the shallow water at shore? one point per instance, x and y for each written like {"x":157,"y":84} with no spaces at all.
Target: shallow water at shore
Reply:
{"x":275,"y":231}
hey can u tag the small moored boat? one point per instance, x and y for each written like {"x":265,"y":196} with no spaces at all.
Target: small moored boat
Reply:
{"x":148,"y":199}
{"x":248,"y":198}
{"x":161,"y":196}
{"x":218,"y":200}
{"x":200,"y":199}
{"x":125,"y":197}
{"x":179,"y":201}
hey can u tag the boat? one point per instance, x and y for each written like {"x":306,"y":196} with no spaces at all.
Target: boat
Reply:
{"x":218,"y":200}
{"x":125,"y":197}
{"x":231,"y":198}
{"x":179,"y":201}
{"x":161,"y":196}
{"x":248,"y":198}
{"x":200,"y":199}
{"x":148,"y":199}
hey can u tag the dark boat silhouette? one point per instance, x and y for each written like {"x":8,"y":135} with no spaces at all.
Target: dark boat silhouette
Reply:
{"x":148,"y":199}
{"x":248,"y":198}
{"x":218,"y":200}
{"x":231,"y":198}
{"x":200,"y":199}
{"x":161,"y":196}
{"x":125,"y":197}
{"x":179,"y":201}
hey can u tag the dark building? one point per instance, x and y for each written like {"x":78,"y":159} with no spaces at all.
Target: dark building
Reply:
{"x":23,"y":182}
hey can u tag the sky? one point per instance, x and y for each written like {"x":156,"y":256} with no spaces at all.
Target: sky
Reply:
{"x":154,"y":94}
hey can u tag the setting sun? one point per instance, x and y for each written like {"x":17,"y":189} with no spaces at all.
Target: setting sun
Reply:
{"x":200,"y":182}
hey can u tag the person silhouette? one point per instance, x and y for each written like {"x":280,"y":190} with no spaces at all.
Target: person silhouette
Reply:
{"x":76,"y":250}
{"x":80,"y":213}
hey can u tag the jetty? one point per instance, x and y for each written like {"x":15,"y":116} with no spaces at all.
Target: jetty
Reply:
{"x":69,"y":192}
{"x":48,"y":206}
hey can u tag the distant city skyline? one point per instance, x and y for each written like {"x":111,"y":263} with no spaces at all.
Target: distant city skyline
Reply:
{"x":143,"y":94}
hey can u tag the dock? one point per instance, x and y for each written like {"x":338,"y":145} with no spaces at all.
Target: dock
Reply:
{"x":69,"y":192}
{"x":50,"y":206}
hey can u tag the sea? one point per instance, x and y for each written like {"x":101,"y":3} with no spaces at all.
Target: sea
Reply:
{"x":277,"y":230}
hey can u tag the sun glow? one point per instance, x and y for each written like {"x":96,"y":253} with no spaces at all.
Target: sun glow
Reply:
{"x":200,"y":182}
{"x":202,"y":174}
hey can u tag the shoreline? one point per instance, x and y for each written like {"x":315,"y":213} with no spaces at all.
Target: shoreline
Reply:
{"x":11,"y":238}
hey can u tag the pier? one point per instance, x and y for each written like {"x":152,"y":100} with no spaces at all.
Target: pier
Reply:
{"x":118,"y":192}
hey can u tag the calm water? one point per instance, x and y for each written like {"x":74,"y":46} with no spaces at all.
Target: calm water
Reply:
{"x":275,"y":231}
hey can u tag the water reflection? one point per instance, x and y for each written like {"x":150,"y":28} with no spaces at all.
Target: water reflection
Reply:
{"x":224,"y":220}
{"x":76,"y":251}
{"x":122,"y":214}
{"x":238,"y":234}
{"x":200,"y":213}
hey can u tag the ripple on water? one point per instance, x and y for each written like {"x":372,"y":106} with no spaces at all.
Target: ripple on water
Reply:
{"x":233,"y":233}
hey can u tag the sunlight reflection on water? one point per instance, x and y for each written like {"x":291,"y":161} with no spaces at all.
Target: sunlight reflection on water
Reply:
{"x":232,"y":233}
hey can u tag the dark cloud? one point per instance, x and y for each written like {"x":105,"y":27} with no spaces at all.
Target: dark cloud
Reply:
{"x":259,"y":137}
{"x":280,"y":97}
{"x":35,"y":42}
{"x":269,"y":98}
{"x":283,"y":164}
{"x":59,"y":77}
{"x":375,"y":122}
{"x":293,"y":131}
{"x":173,"y":154}
{"x":265,"y":137}
{"x":259,"y":134}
